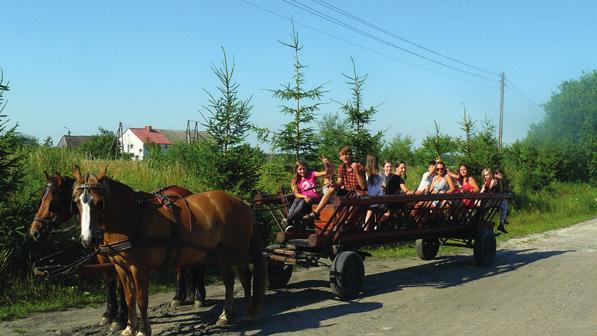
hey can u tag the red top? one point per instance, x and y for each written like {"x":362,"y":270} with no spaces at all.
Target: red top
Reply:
{"x":349,"y":177}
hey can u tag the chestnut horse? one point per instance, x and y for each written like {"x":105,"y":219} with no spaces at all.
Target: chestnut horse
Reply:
{"x":212,"y":227}
{"x":56,"y":208}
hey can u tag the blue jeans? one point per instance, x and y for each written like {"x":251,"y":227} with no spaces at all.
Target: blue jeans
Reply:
{"x":298,"y":209}
{"x":503,"y":212}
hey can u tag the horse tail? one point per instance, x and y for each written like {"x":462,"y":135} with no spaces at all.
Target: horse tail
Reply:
{"x":258,"y":273}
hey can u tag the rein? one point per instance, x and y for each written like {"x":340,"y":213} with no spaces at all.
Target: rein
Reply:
{"x":54,"y":270}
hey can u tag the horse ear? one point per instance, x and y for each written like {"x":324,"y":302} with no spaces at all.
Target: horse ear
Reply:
{"x":77,"y":172}
{"x":103,"y":172}
{"x":47,"y":176}
{"x":58,"y":178}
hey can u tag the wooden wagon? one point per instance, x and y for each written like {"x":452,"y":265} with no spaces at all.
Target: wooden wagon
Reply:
{"x":431,"y":219}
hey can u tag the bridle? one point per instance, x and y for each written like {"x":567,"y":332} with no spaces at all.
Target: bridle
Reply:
{"x":87,"y":187}
{"x":50,"y":224}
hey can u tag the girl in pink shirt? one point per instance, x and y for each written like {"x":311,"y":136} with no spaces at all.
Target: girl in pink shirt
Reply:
{"x":304,"y":187}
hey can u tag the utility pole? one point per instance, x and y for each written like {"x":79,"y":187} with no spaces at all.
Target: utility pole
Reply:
{"x":192,"y":133}
{"x":119,"y":142}
{"x":501,"y":128}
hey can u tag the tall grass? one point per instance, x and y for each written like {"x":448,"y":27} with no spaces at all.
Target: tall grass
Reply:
{"x":139,"y":175}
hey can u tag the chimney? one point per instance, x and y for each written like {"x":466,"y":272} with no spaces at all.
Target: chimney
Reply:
{"x":148,"y":128}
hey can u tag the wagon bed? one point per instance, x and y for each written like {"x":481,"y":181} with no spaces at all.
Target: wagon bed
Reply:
{"x":464,"y":219}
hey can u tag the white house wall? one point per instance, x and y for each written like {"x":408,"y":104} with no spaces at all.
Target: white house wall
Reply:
{"x":131,"y":144}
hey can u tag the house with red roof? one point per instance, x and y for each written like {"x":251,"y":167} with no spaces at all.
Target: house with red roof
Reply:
{"x":135,"y":140}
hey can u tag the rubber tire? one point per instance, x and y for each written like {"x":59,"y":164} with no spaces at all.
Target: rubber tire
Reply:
{"x":347,"y":275}
{"x":278,"y":275}
{"x":484,"y":247}
{"x":427,"y":248}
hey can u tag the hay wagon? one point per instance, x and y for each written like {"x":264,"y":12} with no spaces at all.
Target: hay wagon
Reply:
{"x":432,"y":220}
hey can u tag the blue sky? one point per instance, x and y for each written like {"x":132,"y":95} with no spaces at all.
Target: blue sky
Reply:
{"x":79,"y":65}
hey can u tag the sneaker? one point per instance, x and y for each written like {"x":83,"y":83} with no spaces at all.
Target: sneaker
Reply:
{"x":289,"y":228}
{"x":501,"y":228}
{"x":312,"y":215}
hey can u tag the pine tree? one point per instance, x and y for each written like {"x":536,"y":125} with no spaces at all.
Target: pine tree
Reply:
{"x":361,"y":139}
{"x":10,"y":174}
{"x":228,"y":121}
{"x":297,"y":137}
{"x":226,"y":162}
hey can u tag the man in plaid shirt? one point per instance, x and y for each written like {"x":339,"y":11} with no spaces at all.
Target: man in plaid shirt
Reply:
{"x":351,"y":176}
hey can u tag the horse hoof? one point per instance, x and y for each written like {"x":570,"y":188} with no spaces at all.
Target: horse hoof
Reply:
{"x":198,"y":304}
{"x":222,"y":322}
{"x":127,"y":332}
{"x":116,"y":325}
{"x":144,"y":333}
{"x":105,"y":321}
{"x":175,"y":303}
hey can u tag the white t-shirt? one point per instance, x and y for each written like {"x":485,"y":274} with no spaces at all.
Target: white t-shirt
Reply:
{"x":425,"y":181}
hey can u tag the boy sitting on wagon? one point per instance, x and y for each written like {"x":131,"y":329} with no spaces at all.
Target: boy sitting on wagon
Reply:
{"x":351,"y":176}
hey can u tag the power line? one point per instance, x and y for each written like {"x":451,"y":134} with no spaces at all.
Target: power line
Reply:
{"x":326,"y":17}
{"x":523,"y":100}
{"x":371,"y":25}
{"x":522,"y":93}
{"x":365,"y":48}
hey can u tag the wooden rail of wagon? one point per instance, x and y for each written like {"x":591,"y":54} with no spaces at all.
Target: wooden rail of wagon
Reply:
{"x":430,"y":219}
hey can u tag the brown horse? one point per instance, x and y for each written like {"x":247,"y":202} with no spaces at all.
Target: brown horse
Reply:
{"x":56,"y":208}
{"x":212,"y":227}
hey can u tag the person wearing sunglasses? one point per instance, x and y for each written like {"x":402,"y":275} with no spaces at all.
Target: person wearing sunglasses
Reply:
{"x":442,"y":182}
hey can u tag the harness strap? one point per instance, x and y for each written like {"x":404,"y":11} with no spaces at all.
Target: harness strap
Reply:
{"x":112,"y":249}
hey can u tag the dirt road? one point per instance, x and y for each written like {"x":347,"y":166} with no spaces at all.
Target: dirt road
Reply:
{"x":540,"y":285}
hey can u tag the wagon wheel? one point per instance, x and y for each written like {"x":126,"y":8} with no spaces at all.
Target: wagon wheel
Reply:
{"x":278,"y":274}
{"x":347,"y":275}
{"x":484,"y":247}
{"x":427,"y":248}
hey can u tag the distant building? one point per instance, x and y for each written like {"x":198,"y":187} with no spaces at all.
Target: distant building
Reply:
{"x":73,"y":141}
{"x":135,"y":140}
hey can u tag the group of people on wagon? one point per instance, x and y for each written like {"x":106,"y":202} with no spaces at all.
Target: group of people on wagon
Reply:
{"x":370,"y":180}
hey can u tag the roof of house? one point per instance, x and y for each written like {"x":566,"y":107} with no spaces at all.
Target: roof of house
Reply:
{"x":174,"y":135}
{"x":148,"y":134}
{"x":72,"y":141}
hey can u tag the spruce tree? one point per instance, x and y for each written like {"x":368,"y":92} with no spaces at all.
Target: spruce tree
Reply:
{"x":226,"y":162}
{"x":360,"y":138}
{"x":297,"y":137}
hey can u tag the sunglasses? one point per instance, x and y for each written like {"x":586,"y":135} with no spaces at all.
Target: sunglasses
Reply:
{"x":439,"y":169}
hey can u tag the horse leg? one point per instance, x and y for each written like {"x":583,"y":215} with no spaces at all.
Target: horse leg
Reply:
{"x":191,"y":283}
{"x":120,"y":319}
{"x":199,"y":286}
{"x":228,"y":279}
{"x":141,"y":278}
{"x":131,"y":298}
{"x":111,"y":303}
{"x":180,"y":294}
{"x":244,"y":273}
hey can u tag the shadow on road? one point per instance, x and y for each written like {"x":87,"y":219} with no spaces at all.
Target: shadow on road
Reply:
{"x":450,"y":271}
{"x":281,"y":316}
{"x":288,"y":310}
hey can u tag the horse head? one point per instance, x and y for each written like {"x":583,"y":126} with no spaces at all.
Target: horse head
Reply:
{"x":55,"y":207}
{"x":89,"y":194}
